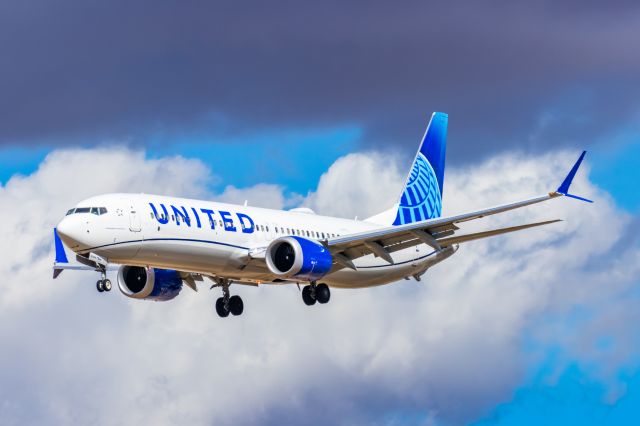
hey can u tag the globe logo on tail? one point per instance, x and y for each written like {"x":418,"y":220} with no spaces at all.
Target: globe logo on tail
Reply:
{"x":421,"y":198}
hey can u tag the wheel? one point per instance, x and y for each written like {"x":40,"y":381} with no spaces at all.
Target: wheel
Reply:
{"x":235,"y":305}
{"x":307,"y":297}
{"x":106,"y":285}
{"x":323,"y":294}
{"x":220,"y":309}
{"x":99,"y":286}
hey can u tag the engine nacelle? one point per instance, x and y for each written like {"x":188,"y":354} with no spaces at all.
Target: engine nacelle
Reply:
{"x":149,"y":283}
{"x":298,"y":258}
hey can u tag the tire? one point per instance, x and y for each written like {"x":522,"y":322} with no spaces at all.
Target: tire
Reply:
{"x":106,"y":285}
{"x":306,"y":296}
{"x":235,"y":305}
{"x":323,"y":294}
{"x":99,"y":286}
{"x":222,"y":312}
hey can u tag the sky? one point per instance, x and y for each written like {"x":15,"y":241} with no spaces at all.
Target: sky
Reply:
{"x":322,"y":104}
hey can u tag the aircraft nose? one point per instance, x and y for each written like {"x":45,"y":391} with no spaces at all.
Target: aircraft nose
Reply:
{"x":70,"y":231}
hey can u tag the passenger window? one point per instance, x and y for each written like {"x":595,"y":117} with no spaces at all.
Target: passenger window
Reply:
{"x":172,"y":218}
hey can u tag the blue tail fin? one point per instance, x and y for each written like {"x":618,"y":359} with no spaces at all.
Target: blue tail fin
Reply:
{"x":421,"y":197}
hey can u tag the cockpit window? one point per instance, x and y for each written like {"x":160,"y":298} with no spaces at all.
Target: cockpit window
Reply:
{"x":93,"y":210}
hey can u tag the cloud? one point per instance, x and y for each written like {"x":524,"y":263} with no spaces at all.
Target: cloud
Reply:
{"x":264,"y":195}
{"x":448,"y":349}
{"x":357,"y":185}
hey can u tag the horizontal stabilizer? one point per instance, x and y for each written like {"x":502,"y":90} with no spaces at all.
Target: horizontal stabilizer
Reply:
{"x":479,"y":235}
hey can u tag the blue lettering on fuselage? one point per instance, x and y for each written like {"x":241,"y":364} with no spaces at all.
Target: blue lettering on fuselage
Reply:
{"x":209,"y":213}
{"x":227,"y":221}
{"x":181,"y":215}
{"x":247,"y":228}
{"x":195,"y":213}
{"x":164,"y":218}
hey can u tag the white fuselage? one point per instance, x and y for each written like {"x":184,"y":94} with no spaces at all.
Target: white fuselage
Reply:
{"x":218,"y":239}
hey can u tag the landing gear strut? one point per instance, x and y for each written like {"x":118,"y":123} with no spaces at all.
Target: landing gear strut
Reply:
{"x":227,"y":304}
{"x":103,"y":284}
{"x":313,"y":293}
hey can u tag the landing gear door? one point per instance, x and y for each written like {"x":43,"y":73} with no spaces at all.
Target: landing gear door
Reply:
{"x":135,"y":224}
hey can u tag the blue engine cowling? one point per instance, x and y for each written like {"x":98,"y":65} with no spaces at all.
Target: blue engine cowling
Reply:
{"x":298,"y":258}
{"x":149,"y":283}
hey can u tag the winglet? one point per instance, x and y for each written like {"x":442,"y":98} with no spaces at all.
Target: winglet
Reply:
{"x":563,"y":189}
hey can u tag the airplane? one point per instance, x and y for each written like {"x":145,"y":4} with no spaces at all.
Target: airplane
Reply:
{"x":157,"y":243}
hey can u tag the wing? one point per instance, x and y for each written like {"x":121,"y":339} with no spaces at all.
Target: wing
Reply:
{"x":437,"y":233}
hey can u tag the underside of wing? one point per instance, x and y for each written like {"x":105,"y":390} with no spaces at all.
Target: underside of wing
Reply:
{"x":485,"y":234}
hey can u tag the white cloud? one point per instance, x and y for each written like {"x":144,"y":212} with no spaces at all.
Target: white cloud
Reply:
{"x":450,"y":347}
{"x":361,"y":184}
{"x":261,"y":195}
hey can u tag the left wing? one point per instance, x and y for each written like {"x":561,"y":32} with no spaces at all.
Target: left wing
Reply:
{"x":436,"y":233}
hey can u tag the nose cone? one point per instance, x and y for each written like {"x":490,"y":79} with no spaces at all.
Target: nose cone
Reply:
{"x":70,"y":232}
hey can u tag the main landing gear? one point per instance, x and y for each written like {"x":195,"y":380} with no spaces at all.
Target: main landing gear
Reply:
{"x":103,"y":284}
{"x":227,"y":304}
{"x":313,"y":293}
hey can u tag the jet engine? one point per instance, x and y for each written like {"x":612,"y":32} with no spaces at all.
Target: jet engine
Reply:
{"x":298,"y":258}
{"x":149,"y":283}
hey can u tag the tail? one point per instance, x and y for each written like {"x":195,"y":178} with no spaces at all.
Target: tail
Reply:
{"x":421,"y":197}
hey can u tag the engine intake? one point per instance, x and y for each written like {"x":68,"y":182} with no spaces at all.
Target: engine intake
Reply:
{"x":298,"y":258}
{"x":149,"y":283}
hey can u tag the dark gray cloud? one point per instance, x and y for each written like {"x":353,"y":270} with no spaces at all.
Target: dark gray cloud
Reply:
{"x":537,"y":74}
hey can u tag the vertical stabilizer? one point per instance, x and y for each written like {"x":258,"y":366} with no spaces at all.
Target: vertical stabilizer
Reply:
{"x":421,"y":197}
